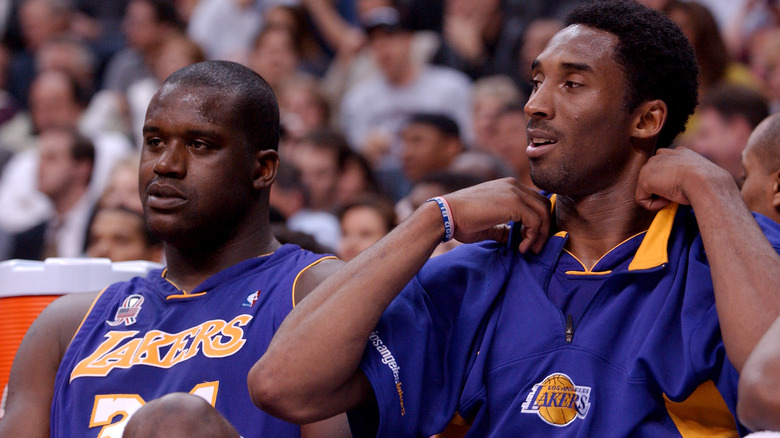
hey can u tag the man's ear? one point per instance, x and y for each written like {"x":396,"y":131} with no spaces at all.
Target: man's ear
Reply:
{"x":776,"y":190}
{"x":266,"y":163}
{"x":649,"y":119}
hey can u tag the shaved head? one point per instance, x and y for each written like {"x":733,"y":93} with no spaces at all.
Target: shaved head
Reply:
{"x":765,"y":143}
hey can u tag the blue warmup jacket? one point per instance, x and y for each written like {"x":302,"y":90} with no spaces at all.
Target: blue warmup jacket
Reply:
{"x":475,"y":335}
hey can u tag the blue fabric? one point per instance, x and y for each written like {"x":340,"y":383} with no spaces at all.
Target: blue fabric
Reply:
{"x":475,"y":333}
{"x":176,"y":344}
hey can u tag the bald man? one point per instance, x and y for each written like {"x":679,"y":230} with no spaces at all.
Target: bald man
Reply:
{"x":760,"y":179}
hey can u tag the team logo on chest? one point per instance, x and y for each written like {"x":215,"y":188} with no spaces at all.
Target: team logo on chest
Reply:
{"x":557,"y":400}
{"x":128,"y":312}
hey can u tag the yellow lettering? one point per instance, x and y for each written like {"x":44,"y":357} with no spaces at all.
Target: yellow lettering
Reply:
{"x":217,"y":348}
{"x":178,"y":347}
{"x":87,"y":366}
{"x":148,"y":352}
{"x":203,"y":337}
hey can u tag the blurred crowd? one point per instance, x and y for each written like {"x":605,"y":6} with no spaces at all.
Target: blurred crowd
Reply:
{"x":384,"y":104}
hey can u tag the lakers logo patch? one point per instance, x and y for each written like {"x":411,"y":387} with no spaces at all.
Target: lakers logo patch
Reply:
{"x":128,"y":312}
{"x":557,"y":400}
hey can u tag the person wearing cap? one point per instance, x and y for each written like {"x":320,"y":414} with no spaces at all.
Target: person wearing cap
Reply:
{"x":379,"y":106}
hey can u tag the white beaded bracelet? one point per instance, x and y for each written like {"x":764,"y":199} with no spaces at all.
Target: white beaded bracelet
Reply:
{"x":446,"y":216}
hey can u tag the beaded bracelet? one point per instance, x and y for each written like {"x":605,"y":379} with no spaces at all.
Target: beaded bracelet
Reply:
{"x":446,"y":216}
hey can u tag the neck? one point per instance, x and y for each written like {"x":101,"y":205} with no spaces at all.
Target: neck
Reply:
{"x":404,"y":76}
{"x":189,"y":267}
{"x":597,"y":223}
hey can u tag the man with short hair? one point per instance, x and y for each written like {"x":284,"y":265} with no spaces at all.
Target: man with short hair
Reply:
{"x":65,"y":163}
{"x":380,"y":105}
{"x":207,"y":164}
{"x":760,"y":180}
{"x":429,"y":143}
{"x":726,"y":117}
{"x":617,"y":325}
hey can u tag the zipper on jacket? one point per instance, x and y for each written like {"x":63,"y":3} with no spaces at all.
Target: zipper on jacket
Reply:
{"x":569,"y":329}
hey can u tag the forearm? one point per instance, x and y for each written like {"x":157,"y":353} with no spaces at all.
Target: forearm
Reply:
{"x":333,"y":323}
{"x":758,"y":405}
{"x":329,"y":22}
{"x":745,"y":268}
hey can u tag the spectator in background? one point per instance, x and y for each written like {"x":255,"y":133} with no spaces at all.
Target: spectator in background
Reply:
{"x":122,"y":187}
{"x":72,"y":56}
{"x":320,"y":157}
{"x":39,"y":21}
{"x":75,"y":58}
{"x":275,"y":55}
{"x":429,"y":143}
{"x":726,"y":117}
{"x":146,"y":25}
{"x":373,"y":111}
{"x":8,"y":105}
{"x":290,"y":199}
{"x":303,"y":106}
{"x":313,"y":59}
{"x":120,"y":234}
{"x":490,"y":94}
{"x":701,"y":29}
{"x":476,"y":39}
{"x":356,"y":180}
{"x":363,"y":222}
{"x":482,"y":165}
{"x":64,"y":171}
{"x":511,"y":141}
{"x":56,"y":102}
{"x":760,"y":179}
{"x":766,"y":63}
{"x":225,"y":28}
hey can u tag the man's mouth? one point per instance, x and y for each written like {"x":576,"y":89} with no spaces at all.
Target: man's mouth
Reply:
{"x":164,"y":197}
{"x":536,"y":142}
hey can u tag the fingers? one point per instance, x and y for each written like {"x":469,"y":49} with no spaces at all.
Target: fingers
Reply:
{"x":535,"y":222}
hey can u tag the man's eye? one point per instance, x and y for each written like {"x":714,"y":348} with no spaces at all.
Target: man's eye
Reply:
{"x":199,"y":145}
{"x":572,"y":84}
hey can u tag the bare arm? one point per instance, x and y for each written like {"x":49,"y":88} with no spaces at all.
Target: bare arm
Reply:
{"x":745,"y":268}
{"x":31,"y":383}
{"x":758,"y":404}
{"x":310,"y":370}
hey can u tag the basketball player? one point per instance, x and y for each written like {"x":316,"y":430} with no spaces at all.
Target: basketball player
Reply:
{"x":208,"y":160}
{"x":609,"y":328}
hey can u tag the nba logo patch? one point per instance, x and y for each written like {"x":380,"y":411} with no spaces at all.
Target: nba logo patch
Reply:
{"x":251,"y":299}
{"x":557,"y":400}
{"x":128,"y":312}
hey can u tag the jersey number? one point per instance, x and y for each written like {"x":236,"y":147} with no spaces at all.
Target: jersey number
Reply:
{"x":108,"y":407}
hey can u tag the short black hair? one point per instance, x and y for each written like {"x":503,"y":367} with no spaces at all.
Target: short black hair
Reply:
{"x":445,"y":124}
{"x":737,"y":101}
{"x":254,"y":108}
{"x":654,"y":54}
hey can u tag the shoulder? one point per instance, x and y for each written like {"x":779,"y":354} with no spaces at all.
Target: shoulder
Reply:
{"x":363,"y":90}
{"x":313,"y":275}
{"x":63,"y":317}
{"x":446,"y":76}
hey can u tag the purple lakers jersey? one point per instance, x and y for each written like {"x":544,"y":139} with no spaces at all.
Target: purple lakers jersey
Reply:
{"x":146,"y":338}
